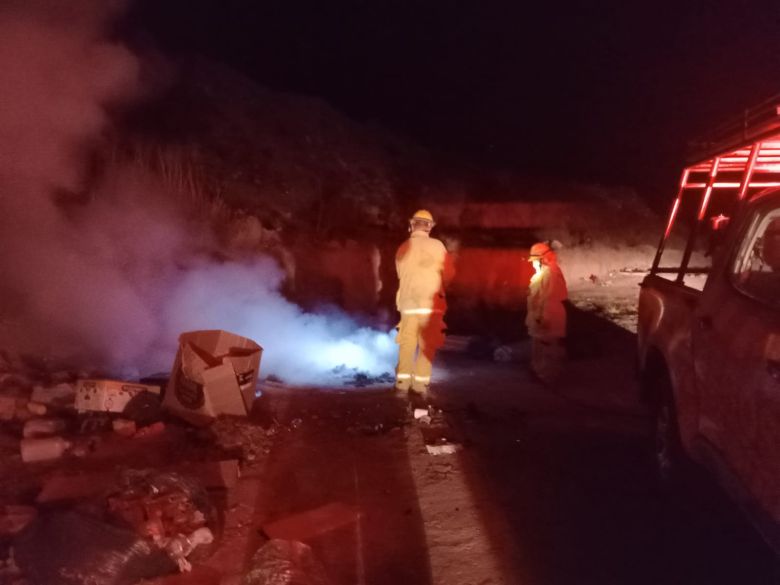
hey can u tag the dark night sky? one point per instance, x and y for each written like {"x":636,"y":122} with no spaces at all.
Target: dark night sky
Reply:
{"x":605,"y":91}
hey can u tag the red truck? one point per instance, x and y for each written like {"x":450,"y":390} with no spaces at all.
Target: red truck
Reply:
{"x":709,"y":319}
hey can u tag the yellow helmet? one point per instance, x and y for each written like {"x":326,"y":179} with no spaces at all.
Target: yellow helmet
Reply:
{"x":423,"y":214}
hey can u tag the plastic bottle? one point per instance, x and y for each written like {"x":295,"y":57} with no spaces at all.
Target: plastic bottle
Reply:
{"x":43,"y":449}
{"x":43,"y":427}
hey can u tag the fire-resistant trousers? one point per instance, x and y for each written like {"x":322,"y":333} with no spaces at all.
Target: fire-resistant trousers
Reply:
{"x":419,"y":337}
{"x":548,"y":356}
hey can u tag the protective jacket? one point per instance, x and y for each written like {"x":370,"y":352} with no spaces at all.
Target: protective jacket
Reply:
{"x":420,"y":263}
{"x":546,"y":318}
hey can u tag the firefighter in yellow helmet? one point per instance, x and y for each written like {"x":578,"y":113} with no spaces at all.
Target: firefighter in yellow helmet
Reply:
{"x":546,"y":317}
{"x":423,"y":269}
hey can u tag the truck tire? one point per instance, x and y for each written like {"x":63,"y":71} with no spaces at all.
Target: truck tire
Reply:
{"x":657,"y":393}
{"x":669,"y":457}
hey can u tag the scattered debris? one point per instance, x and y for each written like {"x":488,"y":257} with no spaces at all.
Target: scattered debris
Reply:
{"x":214,"y":373}
{"x":172,"y":511}
{"x":124,"y":427}
{"x":283,"y":562}
{"x":108,"y":395}
{"x":240,"y":438}
{"x":7,"y":407}
{"x":43,"y":427}
{"x":502,"y":353}
{"x":445,"y":449}
{"x":180,"y":547}
{"x":61,"y":395}
{"x":37,"y":408}
{"x":9,"y":571}
{"x":68,"y":548}
{"x":423,"y":415}
{"x":44,"y":449}
{"x":62,"y":487}
{"x":14,"y":519}
{"x":358,"y":379}
{"x":152,"y":430}
{"x":420,"y":412}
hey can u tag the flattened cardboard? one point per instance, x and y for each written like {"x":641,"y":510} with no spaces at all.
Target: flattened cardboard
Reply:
{"x":108,"y":395}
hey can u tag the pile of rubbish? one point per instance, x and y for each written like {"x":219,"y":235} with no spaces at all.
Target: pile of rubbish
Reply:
{"x":103,"y":483}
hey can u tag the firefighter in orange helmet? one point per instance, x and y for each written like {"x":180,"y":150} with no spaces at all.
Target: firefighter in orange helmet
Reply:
{"x":423,"y":269}
{"x":546,"y":317}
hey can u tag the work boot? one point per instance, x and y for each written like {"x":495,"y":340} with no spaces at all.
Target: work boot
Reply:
{"x":401,"y":388}
{"x":418,"y":399}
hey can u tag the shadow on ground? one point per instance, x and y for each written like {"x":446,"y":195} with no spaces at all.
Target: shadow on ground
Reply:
{"x":349,"y":447}
{"x":571,"y":475}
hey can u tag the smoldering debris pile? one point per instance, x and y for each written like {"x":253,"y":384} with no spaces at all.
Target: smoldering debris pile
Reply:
{"x":113,"y":480}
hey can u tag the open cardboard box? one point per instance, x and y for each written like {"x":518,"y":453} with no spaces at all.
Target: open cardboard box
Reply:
{"x":215,"y":373}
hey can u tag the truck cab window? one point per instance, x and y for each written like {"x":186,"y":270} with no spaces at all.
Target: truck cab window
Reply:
{"x":756,"y":269}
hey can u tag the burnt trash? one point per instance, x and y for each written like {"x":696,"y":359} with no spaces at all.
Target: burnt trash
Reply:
{"x":152,"y":430}
{"x":37,"y":408}
{"x":43,"y":449}
{"x":285,"y":562}
{"x":60,"y":395}
{"x":75,"y":548}
{"x":145,"y":408}
{"x":7,"y":408}
{"x":443,"y":449}
{"x":359,"y":379}
{"x":215,"y":373}
{"x":239,"y":437}
{"x":114,"y":396}
{"x":171,"y":510}
{"x":124,"y":427}
{"x":43,"y":427}
{"x":15,"y":518}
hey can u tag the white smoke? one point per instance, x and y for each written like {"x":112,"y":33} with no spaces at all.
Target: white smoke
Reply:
{"x":108,"y":276}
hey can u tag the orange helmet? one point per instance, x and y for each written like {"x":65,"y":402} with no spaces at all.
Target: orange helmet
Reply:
{"x":538,"y":251}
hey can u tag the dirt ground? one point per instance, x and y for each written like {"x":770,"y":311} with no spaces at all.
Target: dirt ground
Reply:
{"x":552,"y":486}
